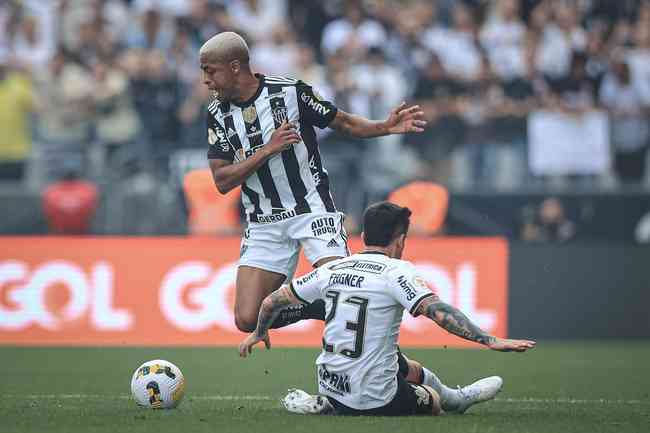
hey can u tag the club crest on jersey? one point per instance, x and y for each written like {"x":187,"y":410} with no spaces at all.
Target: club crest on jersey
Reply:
{"x":279,"y":114}
{"x":420,"y":283}
{"x":249,"y":114}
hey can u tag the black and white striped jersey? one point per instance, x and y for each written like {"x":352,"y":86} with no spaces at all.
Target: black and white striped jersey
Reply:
{"x":293,"y":182}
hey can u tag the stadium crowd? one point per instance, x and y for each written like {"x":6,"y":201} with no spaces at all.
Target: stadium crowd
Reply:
{"x":111,"y":88}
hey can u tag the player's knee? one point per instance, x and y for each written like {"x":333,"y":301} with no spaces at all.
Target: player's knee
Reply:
{"x":245,"y":322}
{"x":436,"y":406}
{"x":415,"y":372}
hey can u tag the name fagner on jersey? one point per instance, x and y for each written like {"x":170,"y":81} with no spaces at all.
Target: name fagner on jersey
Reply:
{"x":288,"y":184}
{"x":365,"y":296}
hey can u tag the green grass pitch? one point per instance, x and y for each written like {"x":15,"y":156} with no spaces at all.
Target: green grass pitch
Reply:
{"x":558,"y":387}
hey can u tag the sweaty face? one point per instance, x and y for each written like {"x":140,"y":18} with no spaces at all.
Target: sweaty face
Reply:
{"x":219,"y":78}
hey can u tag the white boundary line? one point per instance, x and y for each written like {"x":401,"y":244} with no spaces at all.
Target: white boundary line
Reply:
{"x":271,"y":398}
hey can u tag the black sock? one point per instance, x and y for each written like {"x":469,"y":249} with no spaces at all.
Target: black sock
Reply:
{"x":296,"y":313}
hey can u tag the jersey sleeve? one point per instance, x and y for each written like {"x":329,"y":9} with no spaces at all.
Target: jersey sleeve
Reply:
{"x":314,"y":109}
{"x":219,"y":147}
{"x":409,"y":288}
{"x":308,"y":287}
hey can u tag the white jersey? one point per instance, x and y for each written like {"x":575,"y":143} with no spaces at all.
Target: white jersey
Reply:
{"x":365,"y":296}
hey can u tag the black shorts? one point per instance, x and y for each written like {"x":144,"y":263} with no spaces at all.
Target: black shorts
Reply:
{"x":409,"y":399}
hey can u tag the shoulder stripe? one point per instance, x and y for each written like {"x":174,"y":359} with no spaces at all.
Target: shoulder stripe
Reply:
{"x":419,"y":301}
{"x":280,"y":80}
{"x":212,"y":108}
{"x":293,"y":290}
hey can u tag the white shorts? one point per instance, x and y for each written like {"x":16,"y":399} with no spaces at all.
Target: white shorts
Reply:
{"x":275,"y":246}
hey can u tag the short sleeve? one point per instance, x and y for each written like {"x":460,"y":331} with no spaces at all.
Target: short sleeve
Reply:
{"x":408,"y":288}
{"x":308,"y":287}
{"x":219,"y":147}
{"x":314,"y":109}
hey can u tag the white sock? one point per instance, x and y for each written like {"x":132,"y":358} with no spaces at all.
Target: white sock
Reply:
{"x":449,"y":398}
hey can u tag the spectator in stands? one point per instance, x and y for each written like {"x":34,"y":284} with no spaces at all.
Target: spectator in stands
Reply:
{"x":404,"y":47}
{"x":628,"y":121}
{"x":192,"y":115}
{"x":575,"y":93}
{"x":457,"y":48}
{"x":183,"y":55}
{"x":33,"y":44}
{"x":503,"y":36}
{"x":353,"y":33}
{"x":559,"y":38}
{"x":66,"y":111}
{"x":151,"y":31}
{"x":439,"y":95}
{"x":17,"y":102}
{"x":116,"y":121}
{"x":387,"y":162}
{"x":278,"y":53}
{"x":638,"y":59}
{"x":70,"y":203}
{"x":257,"y":18}
{"x":548,"y":223}
{"x":157,"y":93}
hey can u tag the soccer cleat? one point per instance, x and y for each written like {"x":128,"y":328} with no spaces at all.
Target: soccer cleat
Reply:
{"x":298,"y":401}
{"x":479,"y":391}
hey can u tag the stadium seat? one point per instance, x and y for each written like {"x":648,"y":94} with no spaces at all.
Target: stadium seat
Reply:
{"x":210,"y":213}
{"x":429,"y":203}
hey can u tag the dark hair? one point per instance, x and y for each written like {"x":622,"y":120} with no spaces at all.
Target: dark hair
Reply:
{"x":383,"y":222}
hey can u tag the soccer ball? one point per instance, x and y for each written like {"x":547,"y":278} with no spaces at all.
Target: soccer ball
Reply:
{"x":158,"y":384}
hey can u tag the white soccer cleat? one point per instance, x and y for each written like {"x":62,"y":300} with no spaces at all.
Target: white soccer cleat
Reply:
{"x":478,"y":392}
{"x":298,"y":401}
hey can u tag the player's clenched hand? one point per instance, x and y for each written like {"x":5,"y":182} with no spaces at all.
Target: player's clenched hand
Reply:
{"x":283,"y":138}
{"x":403,"y":119}
{"x":246,"y":346}
{"x":508,"y":345}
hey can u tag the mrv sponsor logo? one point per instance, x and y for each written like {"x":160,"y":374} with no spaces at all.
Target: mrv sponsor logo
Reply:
{"x":314,"y":104}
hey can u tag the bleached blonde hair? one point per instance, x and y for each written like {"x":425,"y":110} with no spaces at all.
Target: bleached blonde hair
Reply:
{"x":225,"y":47}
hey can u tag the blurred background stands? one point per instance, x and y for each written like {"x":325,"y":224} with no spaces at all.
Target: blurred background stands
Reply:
{"x":526,"y":100}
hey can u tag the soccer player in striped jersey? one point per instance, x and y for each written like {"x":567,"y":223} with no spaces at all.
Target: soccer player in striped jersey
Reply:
{"x":261,"y":136}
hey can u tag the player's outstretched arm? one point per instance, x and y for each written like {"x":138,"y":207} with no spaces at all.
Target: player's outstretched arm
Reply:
{"x":228,"y":176}
{"x":457,"y":323}
{"x":271,"y":307}
{"x":402,"y":120}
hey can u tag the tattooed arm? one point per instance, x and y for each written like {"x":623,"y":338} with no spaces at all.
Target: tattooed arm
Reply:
{"x":457,"y":323}
{"x":271,"y":307}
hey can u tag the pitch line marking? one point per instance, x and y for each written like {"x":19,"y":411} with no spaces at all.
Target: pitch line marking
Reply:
{"x":270,"y":398}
